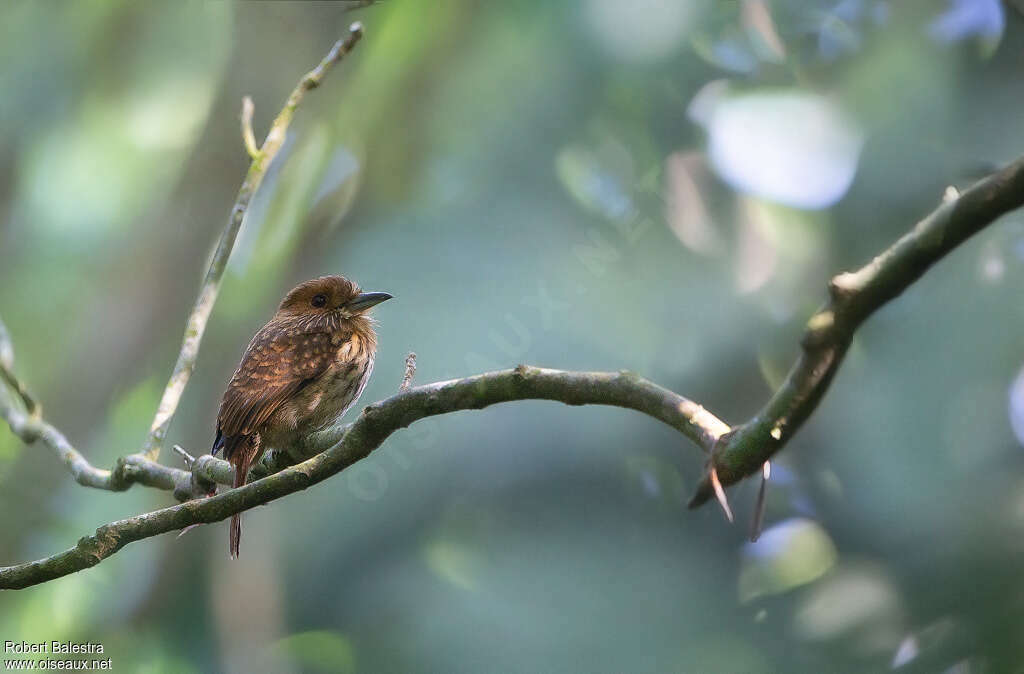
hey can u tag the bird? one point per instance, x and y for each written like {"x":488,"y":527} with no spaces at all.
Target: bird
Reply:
{"x":300,"y":373}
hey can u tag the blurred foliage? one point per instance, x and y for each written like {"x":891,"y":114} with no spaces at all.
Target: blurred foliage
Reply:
{"x":658,"y":186}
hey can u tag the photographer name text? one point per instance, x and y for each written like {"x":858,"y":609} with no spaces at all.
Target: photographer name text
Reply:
{"x":55,"y":647}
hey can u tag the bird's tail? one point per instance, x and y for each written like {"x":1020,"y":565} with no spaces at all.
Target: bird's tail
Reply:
{"x":241,"y":472}
{"x":236,"y":535}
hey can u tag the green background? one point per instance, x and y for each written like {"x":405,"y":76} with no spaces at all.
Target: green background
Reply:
{"x":590,"y":184}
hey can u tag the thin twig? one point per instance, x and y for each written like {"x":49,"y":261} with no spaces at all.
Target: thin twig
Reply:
{"x":720,"y":494}
{"x":7,"y":375}
{"x":185,"y":456}
{"x":248,"y":137}
{"x":26,"y":422}
{"x":129,"y":470}
{"x":196,"y":324}
{"x":410,"y":371}
{"x":757,"y":521}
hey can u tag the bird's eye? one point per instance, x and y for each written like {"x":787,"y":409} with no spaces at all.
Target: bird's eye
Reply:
{"x":319,"y":300}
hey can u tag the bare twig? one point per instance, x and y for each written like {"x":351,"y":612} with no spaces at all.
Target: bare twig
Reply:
{"x":185,"y":456}
{"x":248,"y":137}
{"x":8,"y":377}
{"x":853,"y":297}
{"x":757,"y":521}
{"x":127,"y":471}
{"x":410,"y":371}
{"x":720,"y":495}
{"x":196,"y":324}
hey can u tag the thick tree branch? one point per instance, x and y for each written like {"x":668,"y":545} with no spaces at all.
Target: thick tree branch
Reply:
{"x":853,"y":297}
{"x":261,"y":160}
{"x":368,"y":432}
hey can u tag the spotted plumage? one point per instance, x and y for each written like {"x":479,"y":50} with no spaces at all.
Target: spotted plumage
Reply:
{"x":299,"y":374}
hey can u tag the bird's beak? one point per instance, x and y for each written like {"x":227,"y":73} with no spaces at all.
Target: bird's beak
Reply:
{"x":364,"y":301}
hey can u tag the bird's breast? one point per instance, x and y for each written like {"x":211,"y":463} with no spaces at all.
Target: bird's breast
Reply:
{"x":320,"y":403}
{"x":335,"y":391}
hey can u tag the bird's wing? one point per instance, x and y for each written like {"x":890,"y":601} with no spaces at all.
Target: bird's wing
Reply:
{"x":278,"y":363}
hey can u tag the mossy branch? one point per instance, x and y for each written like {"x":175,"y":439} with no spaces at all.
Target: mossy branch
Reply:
{"x":367,"y":433}
{"x":853,"y":297}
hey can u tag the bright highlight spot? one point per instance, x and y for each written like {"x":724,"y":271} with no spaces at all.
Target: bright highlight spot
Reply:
{"x":789,"y":146}
{"x":787,"y":555}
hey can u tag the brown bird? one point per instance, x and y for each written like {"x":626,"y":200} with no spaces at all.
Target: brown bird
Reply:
{"x":299,"y":374}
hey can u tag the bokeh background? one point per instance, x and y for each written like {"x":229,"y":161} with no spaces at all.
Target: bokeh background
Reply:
{"x":663,"y":187}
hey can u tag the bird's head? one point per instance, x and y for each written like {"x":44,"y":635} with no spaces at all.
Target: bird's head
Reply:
{"x":330,"y":299}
